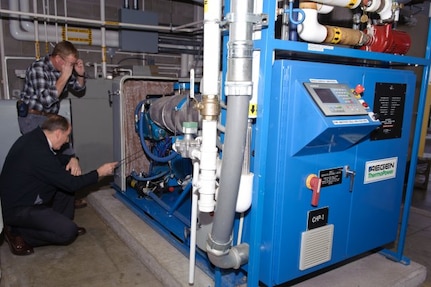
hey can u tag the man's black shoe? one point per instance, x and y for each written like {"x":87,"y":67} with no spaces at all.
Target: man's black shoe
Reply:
{"x":17,"y":245}
{"x":81,"y":231}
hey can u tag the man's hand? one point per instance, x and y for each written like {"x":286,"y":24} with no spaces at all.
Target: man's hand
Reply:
{"x":67,"y":70}
{"x":107,"y":169}
{"x":73,"y":166}
{"x":79,"y":67}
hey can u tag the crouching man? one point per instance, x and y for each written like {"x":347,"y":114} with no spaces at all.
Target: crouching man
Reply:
{"x":37,"y":192}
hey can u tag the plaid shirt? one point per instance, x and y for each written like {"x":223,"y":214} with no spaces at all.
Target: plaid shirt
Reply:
{"x":39,"y":90}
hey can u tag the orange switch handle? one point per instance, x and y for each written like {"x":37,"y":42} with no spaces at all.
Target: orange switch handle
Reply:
{"x":314,"y":183}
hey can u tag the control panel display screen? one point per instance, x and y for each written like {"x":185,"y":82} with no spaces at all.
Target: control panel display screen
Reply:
{"x":335,"y":99}
{"x":326,"y":96}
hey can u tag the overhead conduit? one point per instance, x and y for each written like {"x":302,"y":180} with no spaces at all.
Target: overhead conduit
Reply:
{"x":24,"y":29}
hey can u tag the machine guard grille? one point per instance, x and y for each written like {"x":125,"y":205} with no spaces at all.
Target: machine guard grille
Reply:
{"x":316,"y":246}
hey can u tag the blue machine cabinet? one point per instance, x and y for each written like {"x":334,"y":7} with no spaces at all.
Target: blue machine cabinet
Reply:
{"x":363,"y":218}
{"x":358,"y":208}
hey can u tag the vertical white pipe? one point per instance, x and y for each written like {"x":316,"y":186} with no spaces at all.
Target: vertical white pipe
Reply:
{"x":45,"y":12}
{"x":211,"y":71}
{"x":208,"y":167}
{"x":36,"y":32}
{"x":192,"y":83}
{"x":240,"y":228}
{"x":56,"y":23}
{"x":103,"y":30}
{"x":65,"y":24}
{"x":193,"y":223}
{"x":3,"y":62}
{"x":212,"y":40}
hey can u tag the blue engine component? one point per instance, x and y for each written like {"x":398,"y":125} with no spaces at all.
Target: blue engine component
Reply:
{"x":145,"y":126}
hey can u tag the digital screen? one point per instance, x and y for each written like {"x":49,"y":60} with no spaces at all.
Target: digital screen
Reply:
{"x":335,"y":99}
{"x":326,"y":95}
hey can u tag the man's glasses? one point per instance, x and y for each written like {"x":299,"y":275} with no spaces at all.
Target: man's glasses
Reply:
{"x":71,"y":63}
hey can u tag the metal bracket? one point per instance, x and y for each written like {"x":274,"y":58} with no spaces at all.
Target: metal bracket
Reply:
{"x":259,"y":20}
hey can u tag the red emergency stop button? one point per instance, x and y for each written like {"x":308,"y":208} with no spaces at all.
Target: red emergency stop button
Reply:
{"x":359,"y":89}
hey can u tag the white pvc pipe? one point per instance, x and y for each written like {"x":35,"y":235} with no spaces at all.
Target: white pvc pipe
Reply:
{"x":385,"y":13}
{"x":310,"y":30}
{"x":193,"y":223}
{"x":340,"y":3}
{"x":212,"y":40}
{"x":324,"y":9}
{"x":208,"y":166}
{"x":211,"y":70}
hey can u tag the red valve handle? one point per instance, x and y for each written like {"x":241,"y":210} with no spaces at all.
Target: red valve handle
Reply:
{"x":314,"y":183}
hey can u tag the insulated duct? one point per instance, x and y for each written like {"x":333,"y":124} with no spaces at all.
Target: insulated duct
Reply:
{"x":238,"y":89}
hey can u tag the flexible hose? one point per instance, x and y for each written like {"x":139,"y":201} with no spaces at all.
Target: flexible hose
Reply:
{"x":147,"y":150}
{"x":295,"y":10}
{"x":153,"y":177}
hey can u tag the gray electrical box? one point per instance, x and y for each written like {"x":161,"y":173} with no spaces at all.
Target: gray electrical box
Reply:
{"x":136,"y":40}
{"x":92,"y":125}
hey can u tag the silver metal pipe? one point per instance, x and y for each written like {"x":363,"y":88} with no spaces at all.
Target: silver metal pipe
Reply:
{"x":238,"y":88}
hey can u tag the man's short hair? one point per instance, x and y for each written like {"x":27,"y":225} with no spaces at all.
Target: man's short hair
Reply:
{"x":64,"y":49}
{"x":55,"y":122}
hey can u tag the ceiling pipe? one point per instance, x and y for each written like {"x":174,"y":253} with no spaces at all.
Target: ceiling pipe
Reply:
{"x":83,"y":36}
{"x":24,"y":29}
{"x":99,"y":23}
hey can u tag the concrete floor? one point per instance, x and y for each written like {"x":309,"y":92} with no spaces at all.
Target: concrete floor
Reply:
{"x":107,"y":256}
{"x":97,"y":259}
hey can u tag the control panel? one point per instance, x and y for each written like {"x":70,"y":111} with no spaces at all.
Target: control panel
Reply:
{"x":335,"y":99}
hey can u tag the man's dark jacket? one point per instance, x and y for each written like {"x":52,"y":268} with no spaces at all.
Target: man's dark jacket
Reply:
{"x":32,"y":173}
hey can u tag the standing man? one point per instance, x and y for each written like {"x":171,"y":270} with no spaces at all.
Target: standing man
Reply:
{"x":47,"y":82}
{"x":37,"y":192}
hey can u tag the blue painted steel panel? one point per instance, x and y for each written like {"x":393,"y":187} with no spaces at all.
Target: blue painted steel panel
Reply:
{"x":365,"y":217}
